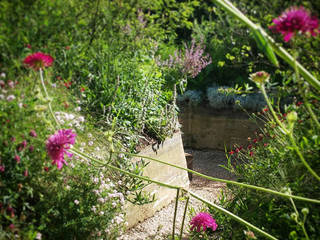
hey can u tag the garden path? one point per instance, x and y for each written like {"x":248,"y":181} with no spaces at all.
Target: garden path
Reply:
{"x":160,"y":225}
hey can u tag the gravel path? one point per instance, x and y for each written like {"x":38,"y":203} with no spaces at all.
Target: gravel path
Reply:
{"x":160,"y":225}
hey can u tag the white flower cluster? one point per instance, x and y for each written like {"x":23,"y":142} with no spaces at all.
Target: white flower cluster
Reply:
{"x":106,"y":192}
{"x":70,"y":120}
{"x":3,"y":93}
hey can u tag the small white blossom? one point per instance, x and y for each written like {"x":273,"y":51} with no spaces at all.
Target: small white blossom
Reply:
{"x":90,"y":143}
{"x":76,"y":202}
{"x":39,"y":236}
{"x":10,"y":98}
{"x":11,"y":84}
{"x":81,"y":119}
{"x":94,"y":209}
{"x":3,"y":75}
{"x":2,"y":96}
{"x":54,"y":85}
{"x":101,"y":213}
{"x":96,"y":180}
{"x":20,"y":105}
{"x":69,"y":116}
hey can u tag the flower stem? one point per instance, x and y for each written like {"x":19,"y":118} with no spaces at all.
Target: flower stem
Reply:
{"x":242,"y":221}
{"x":287,"y":132}
{"x":184,"y":217}
{"x":281,"y":52}
{"x":235,"y":217}
{"x":226,"y":181}
{"x":296,"y":148}
{"x":302,"y":93}
{"x":283,"y":128}
{"x":48,"y":97}
{"x":297,"y":220}
{"x":175,"y":214}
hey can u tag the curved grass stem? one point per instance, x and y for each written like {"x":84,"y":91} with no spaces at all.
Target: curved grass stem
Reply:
{"x":288,"y":132}
{"x":235,"y":217}
{"x":227,"y":181}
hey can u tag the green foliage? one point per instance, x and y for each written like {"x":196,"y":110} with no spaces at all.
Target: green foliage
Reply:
{"x":37,"y":199}
{"x":269,"y":161}
{"x":233,"y":48}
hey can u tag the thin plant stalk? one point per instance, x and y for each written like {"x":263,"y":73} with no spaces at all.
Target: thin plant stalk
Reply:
{"x":184,"y":216}
{"x":235,"y":217}
{"x":227,"y":181}
{"x":296,"y":148}
{"x":175,"y":214}
{"x":281,"y":52}
{"x":287,"y":132}
{"x":302,"y":93}
{"x":47,"y":97}
{"x":297,"y":220}
{"x":240,"y":220}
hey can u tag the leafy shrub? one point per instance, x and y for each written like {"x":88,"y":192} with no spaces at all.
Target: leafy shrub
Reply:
{"x":268,"y":161}
{"x":37,"y":199}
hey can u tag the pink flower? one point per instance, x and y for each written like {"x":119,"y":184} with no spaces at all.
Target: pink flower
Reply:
{"x":22,"y":145}
{"x":58,"y":144}
{"x":26,"y":173}
{"x":231,"y":152}
{"x":2,"y":168}
{"x":203,"y":220}
{"x":38,"y":60}
{"x":293,"y":20}
{"x":33,"y":133}
{"x":17,"y":158}
{"x":31,"y":148}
